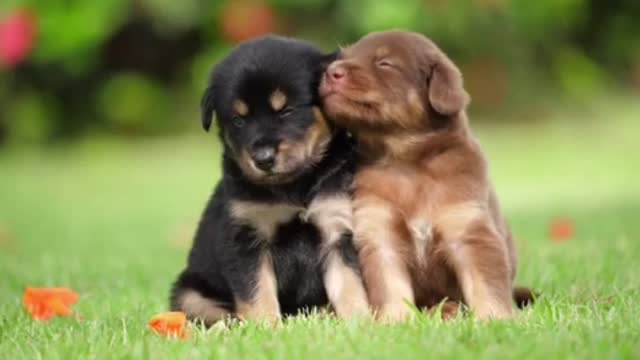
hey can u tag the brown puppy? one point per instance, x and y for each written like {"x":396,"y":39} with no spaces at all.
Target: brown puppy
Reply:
{"x":426,"y":220}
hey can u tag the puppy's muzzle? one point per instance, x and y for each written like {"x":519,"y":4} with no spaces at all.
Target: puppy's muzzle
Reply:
{"x":264,"y":157}
{"x":334,"y":78}
{"x":336,"y":72}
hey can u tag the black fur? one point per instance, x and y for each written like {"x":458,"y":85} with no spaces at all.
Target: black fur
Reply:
{"x":223,"y":260}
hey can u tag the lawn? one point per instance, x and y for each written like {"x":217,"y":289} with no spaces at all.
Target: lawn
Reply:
{"x":113,"y":219}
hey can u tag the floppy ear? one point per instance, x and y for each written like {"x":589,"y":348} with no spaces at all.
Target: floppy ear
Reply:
{"x":446,"y":91}
{"x":207,"y":108}
{"x":327,"y":59}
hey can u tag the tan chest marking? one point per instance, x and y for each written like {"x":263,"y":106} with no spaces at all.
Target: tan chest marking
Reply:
{"x":264,"y":218}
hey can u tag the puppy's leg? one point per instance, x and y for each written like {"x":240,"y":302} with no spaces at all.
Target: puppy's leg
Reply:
{"x":188,"y":296}
{"x":385,"y":272}
{"x":480,"y":259}
{"x":345,"y":289}
{"x":262,"y":302}
{"x":199,"y":307}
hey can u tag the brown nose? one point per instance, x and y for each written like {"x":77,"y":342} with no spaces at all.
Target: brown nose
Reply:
{"x":336,"y":73}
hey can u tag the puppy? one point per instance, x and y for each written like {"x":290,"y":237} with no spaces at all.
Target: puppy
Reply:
{"x":275,"y":237}
{"x":426,"y":219}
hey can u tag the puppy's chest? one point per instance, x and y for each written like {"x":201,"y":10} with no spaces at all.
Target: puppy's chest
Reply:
{"x":265,"y":218}
{"x":402,"y":187}
{"x":412,"y":194}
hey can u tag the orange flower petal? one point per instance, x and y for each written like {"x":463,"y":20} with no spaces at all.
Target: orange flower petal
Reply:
{"x":45,"y":303}
{"x":171,"y":324}
{"x":58,"y":307}
{"x":561,"y":229}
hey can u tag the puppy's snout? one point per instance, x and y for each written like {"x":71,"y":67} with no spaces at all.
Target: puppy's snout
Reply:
{"x":264,"y":157}
{"x":336,"y":72}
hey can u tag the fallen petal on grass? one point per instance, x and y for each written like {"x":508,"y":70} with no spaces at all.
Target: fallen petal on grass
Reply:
{"x":561,"y":229}
{"x":45,"y":303}
{"x":170,"y":324}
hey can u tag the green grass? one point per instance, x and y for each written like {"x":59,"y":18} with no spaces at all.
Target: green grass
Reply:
{"x":112,"y":219}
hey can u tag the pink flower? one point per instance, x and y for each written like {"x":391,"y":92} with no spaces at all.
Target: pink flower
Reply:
{"x":17,"y":37}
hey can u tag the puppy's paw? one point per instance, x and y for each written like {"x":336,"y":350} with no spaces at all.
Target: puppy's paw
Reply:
{"x":353,"y":309}
{"x":394,"y":313}
{"x":260,"y":315}
{"x":272,"y":321}
{"x":490,"y":313}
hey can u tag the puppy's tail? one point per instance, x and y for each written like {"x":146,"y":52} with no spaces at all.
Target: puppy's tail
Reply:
{"x":524,"y":296}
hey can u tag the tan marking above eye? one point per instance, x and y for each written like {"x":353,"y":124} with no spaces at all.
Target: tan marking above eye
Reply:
{"x":240,"y":107}
{"x":278,"y":100}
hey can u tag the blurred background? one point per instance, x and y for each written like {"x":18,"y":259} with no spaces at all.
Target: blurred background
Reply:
{"x":104,"y":167}
{"x":136,"y":68}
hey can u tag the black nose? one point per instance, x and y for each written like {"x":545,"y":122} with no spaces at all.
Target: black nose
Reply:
{"x":264,"y":157}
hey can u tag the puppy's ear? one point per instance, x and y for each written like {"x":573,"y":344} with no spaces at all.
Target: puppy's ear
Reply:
{"x":446,"y":91}
{"x":207,"y":108}
{"x":327,"y":59}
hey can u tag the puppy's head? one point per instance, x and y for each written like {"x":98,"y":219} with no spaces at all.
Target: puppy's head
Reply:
{"x":389,"y":80}
{"x":264,"y":96}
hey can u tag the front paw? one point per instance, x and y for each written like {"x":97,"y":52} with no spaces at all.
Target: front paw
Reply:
{"x":261,"y":313}
{"x":271,"y":320}
{"x":356,"y":308}
{"x":489,"y":312}
{"x":394,"y":313}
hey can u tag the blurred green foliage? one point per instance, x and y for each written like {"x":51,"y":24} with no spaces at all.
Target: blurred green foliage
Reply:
{"x":138,"y":67}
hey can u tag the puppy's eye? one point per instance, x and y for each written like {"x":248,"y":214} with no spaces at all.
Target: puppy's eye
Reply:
{"x":286,"y":112}
{"x":384,"y":64}
{"x":238,"y":121}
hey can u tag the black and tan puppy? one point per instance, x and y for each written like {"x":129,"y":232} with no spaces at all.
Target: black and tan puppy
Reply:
{"x":275,"y":237}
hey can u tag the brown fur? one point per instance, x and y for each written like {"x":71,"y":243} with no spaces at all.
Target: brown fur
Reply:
{"x":426,"y":219}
